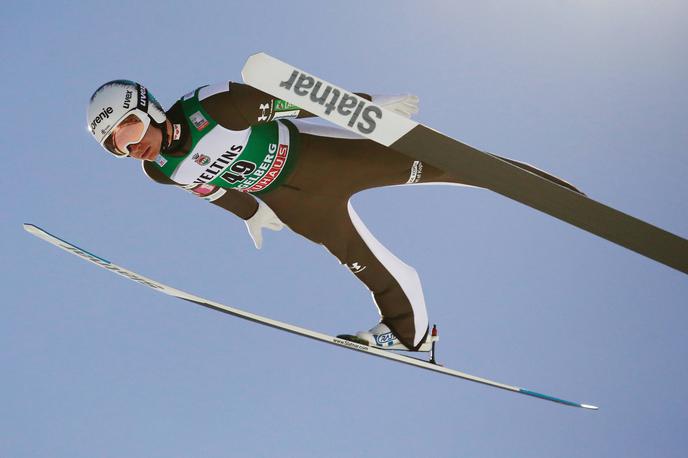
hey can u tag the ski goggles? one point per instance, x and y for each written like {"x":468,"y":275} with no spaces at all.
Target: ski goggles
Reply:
{"x":129,"y":131}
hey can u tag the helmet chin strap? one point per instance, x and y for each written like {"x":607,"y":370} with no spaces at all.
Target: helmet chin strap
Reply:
{"x":165,"y":143}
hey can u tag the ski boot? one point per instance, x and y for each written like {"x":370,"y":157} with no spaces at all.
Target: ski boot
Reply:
{"x":382,"y":337}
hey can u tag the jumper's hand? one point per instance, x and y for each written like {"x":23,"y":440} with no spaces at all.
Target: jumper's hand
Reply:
{"x":263,"y":218}
{"x":406,"y":104}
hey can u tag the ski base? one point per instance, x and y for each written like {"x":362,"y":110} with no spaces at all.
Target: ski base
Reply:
{"x":408,"y":360}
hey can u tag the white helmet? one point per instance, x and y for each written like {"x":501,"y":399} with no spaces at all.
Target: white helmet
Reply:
{"x":112,"y":102}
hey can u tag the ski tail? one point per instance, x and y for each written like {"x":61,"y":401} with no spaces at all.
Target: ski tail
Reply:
{"x":553,"y":399}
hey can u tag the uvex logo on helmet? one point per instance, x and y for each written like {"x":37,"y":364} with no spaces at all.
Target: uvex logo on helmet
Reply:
{"x":104,"y":114}
{"x":127,"y":99}
{"x":143,"y":97}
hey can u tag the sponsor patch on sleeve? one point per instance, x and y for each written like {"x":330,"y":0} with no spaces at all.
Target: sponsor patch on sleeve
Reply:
{"x":416,"y":172}
{"x":207,"y":192}
{"x":199,"y":120}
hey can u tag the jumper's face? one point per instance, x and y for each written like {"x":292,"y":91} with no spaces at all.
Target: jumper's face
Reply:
{"x":149,"y":147}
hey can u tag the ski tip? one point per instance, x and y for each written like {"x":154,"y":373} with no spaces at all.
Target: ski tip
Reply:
{"x":248,"y":72}
{"x":28,"y":227}
{"x":259,"y":53}
{"x":587,"y":406}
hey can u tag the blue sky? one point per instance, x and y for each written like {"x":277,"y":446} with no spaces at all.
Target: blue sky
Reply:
{"x":93,"y":365}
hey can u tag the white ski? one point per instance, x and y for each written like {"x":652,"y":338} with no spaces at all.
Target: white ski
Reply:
{"x":101,"y":262}
{"x":472,"y":166}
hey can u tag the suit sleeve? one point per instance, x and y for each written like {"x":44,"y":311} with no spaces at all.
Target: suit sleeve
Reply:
{"x":240,"y":203}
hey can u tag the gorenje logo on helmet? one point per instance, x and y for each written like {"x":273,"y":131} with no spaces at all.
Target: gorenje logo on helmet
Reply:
{"x":104,"y":114}
{"x":354,"y":107}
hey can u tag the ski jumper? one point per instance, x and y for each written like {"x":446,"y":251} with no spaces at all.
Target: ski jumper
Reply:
{"x":232,"y":141}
